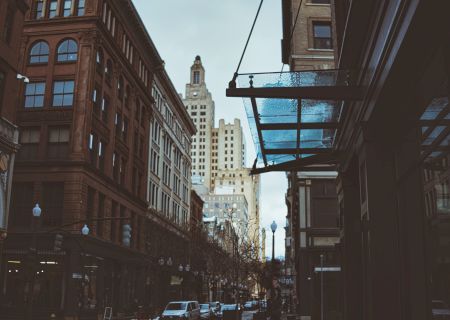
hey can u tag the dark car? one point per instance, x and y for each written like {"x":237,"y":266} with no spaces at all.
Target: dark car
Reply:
{"x":205,"y":311}
{"x":231,"y":312}
{"x":440,"y":310}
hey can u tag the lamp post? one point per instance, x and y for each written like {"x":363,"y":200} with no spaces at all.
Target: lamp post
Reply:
{"x":321,"y":286}
{"x":273,"y":227}
{"x":32,"y":257}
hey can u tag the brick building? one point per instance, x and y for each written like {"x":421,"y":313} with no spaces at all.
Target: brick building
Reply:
{"x":11,"y":26}
{"x":84,"y":121}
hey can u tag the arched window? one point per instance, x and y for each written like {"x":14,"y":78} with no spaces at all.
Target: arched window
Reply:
{"x":39,"y":52}
{"x":67,"y":51}
{"x":108,"y":70}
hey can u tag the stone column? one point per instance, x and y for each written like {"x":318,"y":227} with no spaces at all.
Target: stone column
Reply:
{"x":84,"y":84}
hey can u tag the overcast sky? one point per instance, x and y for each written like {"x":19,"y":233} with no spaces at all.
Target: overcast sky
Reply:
{"x":217,"y":30}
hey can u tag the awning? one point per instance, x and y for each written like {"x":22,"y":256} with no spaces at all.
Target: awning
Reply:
{"x":294,"y":116}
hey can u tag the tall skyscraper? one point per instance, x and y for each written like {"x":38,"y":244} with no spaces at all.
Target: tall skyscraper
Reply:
{"x":200,"y":106}
{"x":228,"y":148}
{"x":219,"y":154}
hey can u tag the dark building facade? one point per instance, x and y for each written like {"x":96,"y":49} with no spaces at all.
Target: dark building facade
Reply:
{"x":387,"y":106}
{"x":84,"y":121}
{"x":310,"y":242}
{"x":11,"y":26}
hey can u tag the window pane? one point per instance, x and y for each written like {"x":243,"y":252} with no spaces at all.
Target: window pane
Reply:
{"x":34,"y":95}
{"x":52,"y":9}
{"x":63,"y":93}
{"x":67,"y":7}
{"x":322,"y":31}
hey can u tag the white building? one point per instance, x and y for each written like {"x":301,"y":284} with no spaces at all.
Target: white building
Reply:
{"x":228,"y":148}
{"x":169,"y":168}
{"x":242,"y":183}
{"x":200,"y":106}
{"x":219,"y":154}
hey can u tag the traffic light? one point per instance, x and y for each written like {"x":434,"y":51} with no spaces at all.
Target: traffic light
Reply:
{"x":126,"y":235}
{"x":58,"y":242}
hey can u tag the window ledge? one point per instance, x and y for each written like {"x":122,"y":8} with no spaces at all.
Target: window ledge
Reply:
{"x":320,"y":50}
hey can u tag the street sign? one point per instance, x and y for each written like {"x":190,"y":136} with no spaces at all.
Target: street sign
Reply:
{"x":327,"y":269}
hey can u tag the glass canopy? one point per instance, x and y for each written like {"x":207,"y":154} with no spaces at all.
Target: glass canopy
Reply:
{"x":294,"y":115}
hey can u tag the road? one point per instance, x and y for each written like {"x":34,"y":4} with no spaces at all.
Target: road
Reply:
{"x":247,"y":315}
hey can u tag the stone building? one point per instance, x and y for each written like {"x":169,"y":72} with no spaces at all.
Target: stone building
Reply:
{"x":84,"y":118}
{"x":310,"y":45}
{"x":219,"y":153}
{"x":199,"y":104}
{"x":228,"y":148}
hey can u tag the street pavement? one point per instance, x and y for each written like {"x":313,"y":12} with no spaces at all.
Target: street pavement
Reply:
{"x":248,"y":315}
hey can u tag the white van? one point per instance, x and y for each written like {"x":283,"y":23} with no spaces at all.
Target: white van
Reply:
{"x":181,"y":310}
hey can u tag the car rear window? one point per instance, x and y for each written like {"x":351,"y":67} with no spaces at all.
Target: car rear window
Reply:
{"x":176,"y":306}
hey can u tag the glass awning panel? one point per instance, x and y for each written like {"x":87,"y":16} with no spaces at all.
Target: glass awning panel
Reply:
{"x":312,"y":78}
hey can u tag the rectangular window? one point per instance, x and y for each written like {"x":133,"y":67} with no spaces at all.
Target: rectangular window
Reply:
{"x":320,"y":1}
{"x":38,"y":9}
{"x":52,"y":203}
{"x":63,"y":93}
{"x":116,"y":161}
{"x":8,"y":26}
{"x":67,"y":10}
{"x":58,"y":142}
{"x":34,"y":95}
{"x":29,"y":140}
{"x":196,"y":79}
{"x":80,"y":9}
{"x":101,"y":155}
{"x":322,"y":35}
{"x":124,"y":129}
{"x":53,"y":9}
{"x":105,"y":106}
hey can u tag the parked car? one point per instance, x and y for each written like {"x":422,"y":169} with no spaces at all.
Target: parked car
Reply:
{"x":440,"y":310}
{"x":181,"y":309}
{"x":231,"y":312}
{"x":216,"y":308}
{"x":205,"y":311}
{"x":248,"y":305}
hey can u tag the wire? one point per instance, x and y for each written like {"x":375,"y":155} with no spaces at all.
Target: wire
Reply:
{"x":249,"y":36}
{"x":293,"y":29}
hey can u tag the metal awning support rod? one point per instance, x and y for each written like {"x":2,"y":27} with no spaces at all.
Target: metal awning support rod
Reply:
{"x":335,"y":93}
{"x":303,"y":126}
{"x":313,"y":163}
{"x":299,"y":118}
{"x":294,"y":151}
{"x":258,"y":128}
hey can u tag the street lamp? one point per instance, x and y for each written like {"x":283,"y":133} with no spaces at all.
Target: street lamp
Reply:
{"x":33,"y":255}
{"x":180,"y":268}
{"x":85,"y":230}
{"x":37,"y":211}
{"x":273,"y":226}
